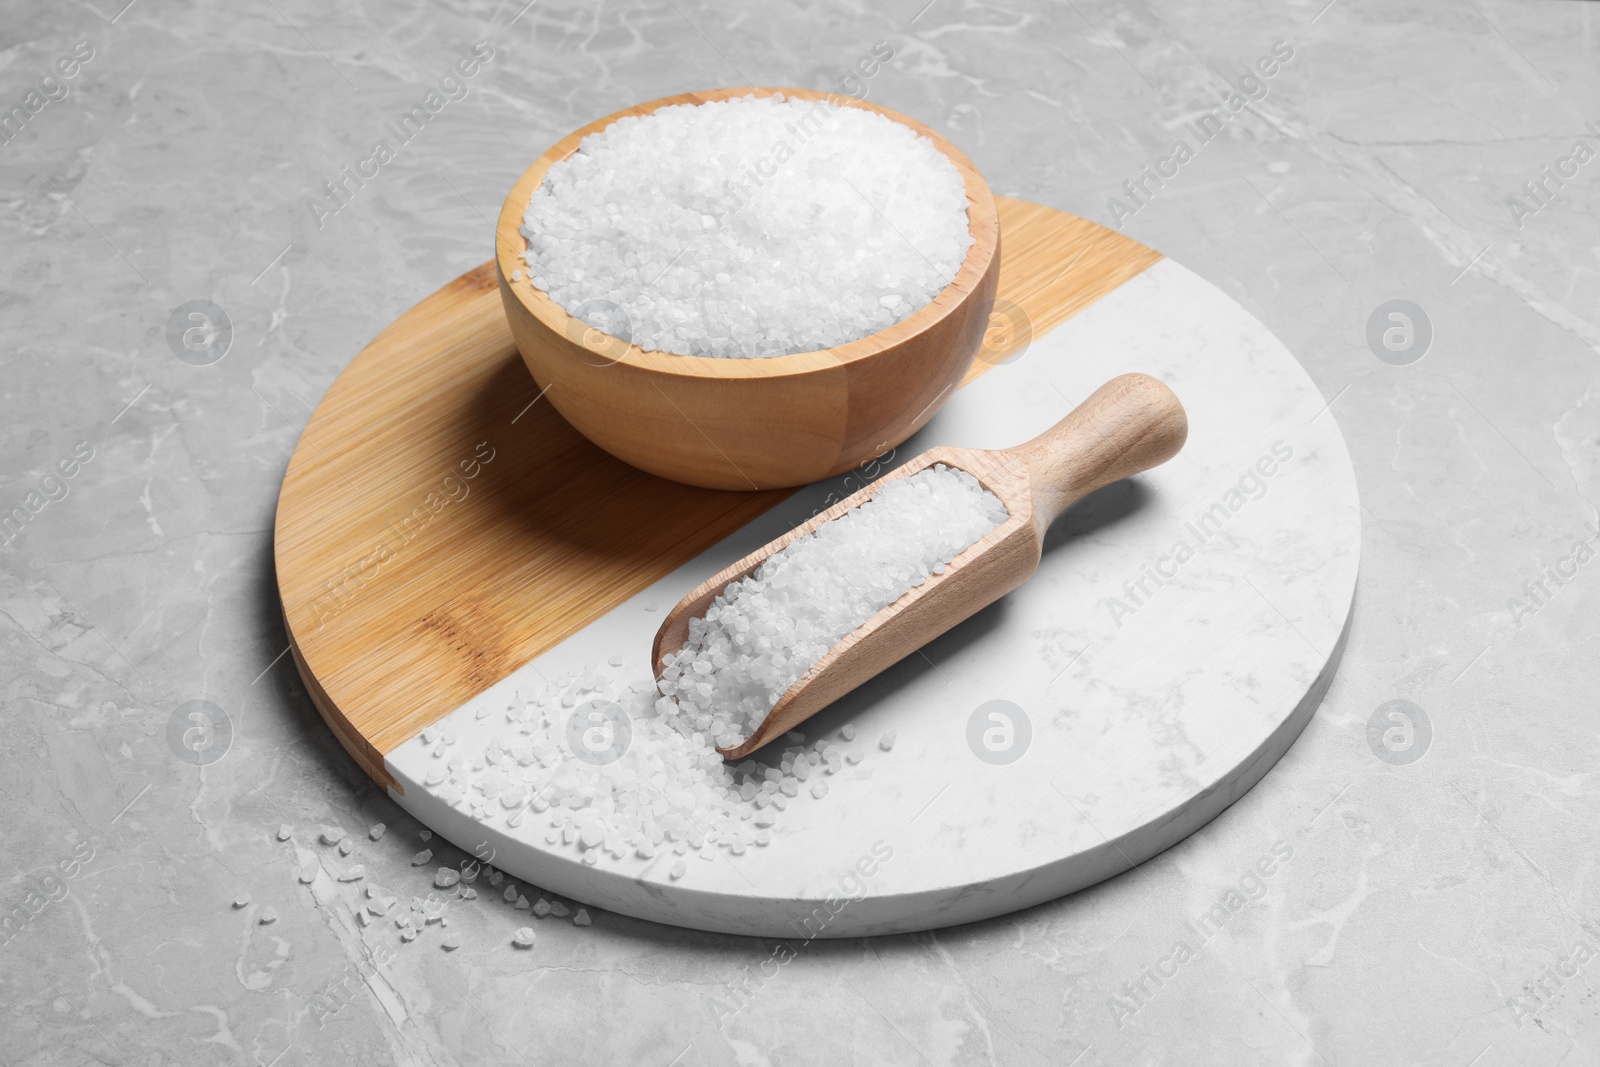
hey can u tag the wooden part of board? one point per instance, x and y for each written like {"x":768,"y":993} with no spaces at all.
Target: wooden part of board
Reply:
{"x":440,"y":525}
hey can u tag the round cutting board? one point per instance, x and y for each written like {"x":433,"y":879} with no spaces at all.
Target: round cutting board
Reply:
{"x":445,"y":543}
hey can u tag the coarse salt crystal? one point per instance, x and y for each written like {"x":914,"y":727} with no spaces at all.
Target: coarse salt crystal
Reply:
{"x":748,"y":227}
{"x":765,"y":630}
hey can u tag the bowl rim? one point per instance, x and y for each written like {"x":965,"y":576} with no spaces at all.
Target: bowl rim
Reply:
{"x":983,"y":221}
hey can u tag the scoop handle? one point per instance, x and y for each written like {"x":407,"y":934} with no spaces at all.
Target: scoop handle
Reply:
{"x":1128,"y":425}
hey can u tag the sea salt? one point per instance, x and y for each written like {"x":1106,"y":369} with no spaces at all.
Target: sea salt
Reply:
{"x":766,"y":630}
{"x":748,"y":227}
{"x":661,"y":791}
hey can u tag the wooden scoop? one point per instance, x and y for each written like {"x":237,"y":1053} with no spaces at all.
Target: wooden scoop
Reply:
{"x":1130,"y":424}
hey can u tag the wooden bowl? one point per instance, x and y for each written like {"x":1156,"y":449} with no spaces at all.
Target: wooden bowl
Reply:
{"x":751,"y":423}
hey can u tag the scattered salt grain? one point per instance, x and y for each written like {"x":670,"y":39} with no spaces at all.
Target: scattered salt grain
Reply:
{"x":668,"y":228}
{"x":242,"y":900}
{"x":409,"y":934}
{"x":346,"y":847}
{"x":446,"y":877}
{"x":422,"y":857}
{"x":582,"y":918}
{"x":285,"y":832}
{"x":542,"y":908}
{"x":510,"y":894}
{"x":376,"y":831}
{"x":847,"y":732}
{"x":308,"y":873}
{"x":331,"y":835}
{"x":558,"y":909}
{"x":426,"y":836}
{"x":886,"y":742}
{"x":678,"y":870}
{"x":522,"y":903}
{"x":354,"y":874}
{"x":451,"y":942}
{"x":819,"y":789}
{"x":765,"y":630}
{"x":268,"y":914}
{"x":523,"y":938}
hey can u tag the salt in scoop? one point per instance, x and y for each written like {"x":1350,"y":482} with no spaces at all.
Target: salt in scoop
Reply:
{"x":1130,"y":424}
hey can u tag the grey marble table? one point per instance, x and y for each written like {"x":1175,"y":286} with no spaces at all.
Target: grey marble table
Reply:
{"x":1433,"y":894}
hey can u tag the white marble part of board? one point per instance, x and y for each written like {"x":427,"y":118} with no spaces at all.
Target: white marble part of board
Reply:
{"x":1157,"y":690}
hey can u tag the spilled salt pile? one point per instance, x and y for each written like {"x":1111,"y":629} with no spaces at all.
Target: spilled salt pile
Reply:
{"x":604,"y":765}
{"x":605,"y":770}
{"x":748,"y":227}
{"x":767,"y":629}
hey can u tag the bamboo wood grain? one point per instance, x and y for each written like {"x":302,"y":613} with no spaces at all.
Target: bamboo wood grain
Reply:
{"x":1128,"y":425}
{"x":409,"y":587}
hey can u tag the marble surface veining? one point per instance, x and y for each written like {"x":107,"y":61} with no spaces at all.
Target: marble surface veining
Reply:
{"x":1414,"y":883}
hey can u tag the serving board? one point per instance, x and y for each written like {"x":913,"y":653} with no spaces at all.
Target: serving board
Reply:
{"x":444,"y":540}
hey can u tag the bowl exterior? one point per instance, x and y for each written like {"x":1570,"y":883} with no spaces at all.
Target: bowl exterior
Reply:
{"x":744,"y":432}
